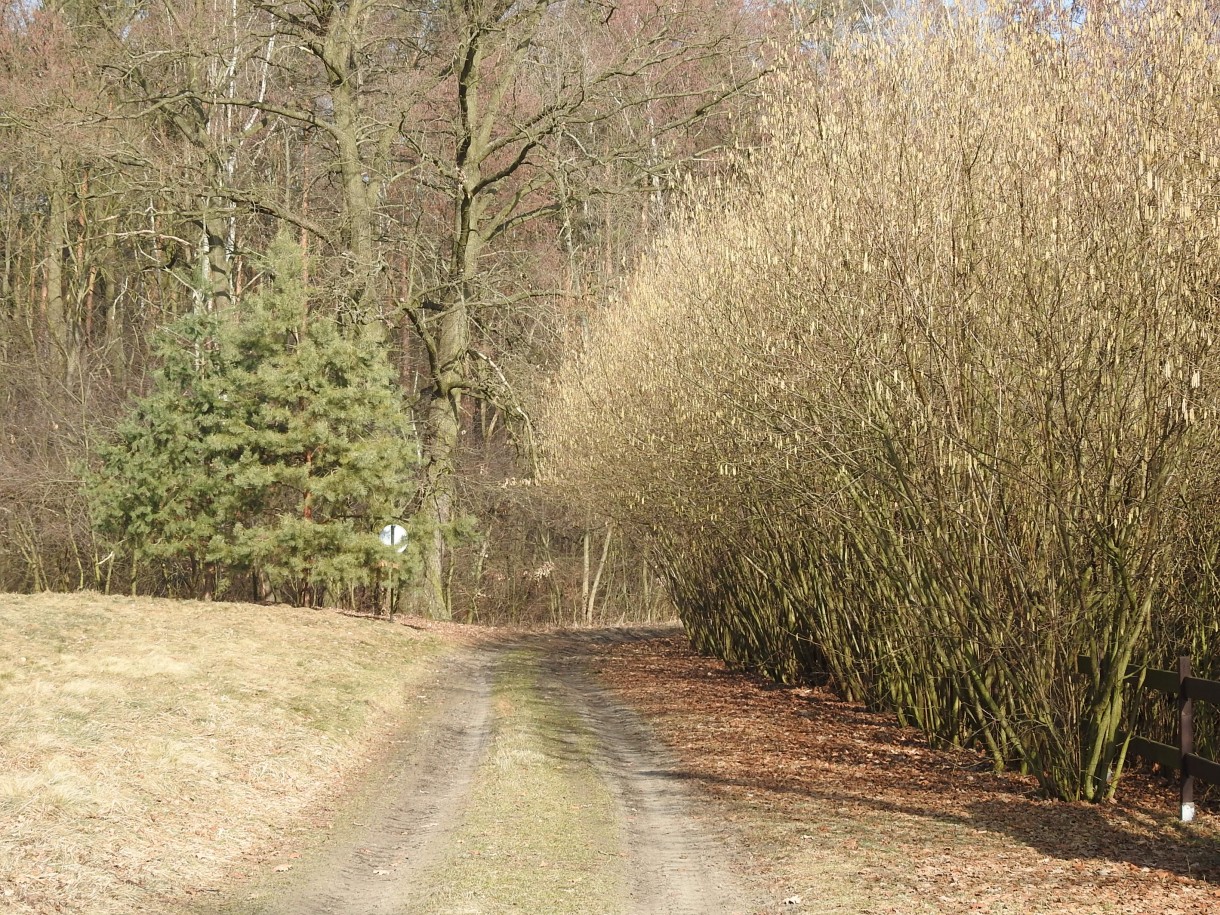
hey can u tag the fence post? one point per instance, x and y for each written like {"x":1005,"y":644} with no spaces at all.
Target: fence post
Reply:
{"x":1186,"y":739}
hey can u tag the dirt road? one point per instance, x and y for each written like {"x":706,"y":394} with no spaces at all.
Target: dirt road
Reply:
{"x":523,"y":787}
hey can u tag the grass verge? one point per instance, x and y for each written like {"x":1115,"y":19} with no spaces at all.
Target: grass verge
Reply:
{"x":146,"y":745}
{"x":540,"y":833}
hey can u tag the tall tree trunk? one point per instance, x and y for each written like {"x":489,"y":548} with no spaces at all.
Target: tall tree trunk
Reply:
{"x":443,"y":416}
{"x":56,"y":315}
{"x":357,"y":229}
{"x":217,"y":259}
{"x":442,"y":429}
{"x":592,"y":589}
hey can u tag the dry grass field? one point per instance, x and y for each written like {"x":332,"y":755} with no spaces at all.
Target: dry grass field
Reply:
{"x":146,"y":745}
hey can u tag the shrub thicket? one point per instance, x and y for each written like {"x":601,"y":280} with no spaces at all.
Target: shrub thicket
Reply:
{"x":924,"y":400}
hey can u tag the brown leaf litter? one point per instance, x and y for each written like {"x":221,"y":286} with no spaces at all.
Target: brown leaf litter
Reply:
{"x":823,"y":788}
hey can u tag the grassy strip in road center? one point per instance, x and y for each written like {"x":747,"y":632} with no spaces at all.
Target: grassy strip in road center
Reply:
{"x":540,"y":833}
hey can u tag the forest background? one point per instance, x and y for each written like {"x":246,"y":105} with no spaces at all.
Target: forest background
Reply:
{"x":464,"y":185}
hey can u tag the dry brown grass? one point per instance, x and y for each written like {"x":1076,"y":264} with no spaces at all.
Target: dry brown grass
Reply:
{"x":145,"y":745}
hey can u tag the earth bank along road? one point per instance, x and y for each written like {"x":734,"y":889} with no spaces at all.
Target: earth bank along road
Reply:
{"x":523,"y":788}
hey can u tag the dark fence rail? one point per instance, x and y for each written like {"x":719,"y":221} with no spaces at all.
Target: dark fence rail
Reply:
{"x":1182,"y":758}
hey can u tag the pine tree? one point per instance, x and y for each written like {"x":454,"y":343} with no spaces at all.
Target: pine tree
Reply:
{"x":273,"y":445}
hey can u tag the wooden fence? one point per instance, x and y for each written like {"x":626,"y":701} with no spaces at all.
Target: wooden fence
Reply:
{"x":1187,"y":689}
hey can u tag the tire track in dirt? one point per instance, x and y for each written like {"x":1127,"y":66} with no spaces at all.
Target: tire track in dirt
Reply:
{"x":677,"y":866}
{"x":397,"y":828}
